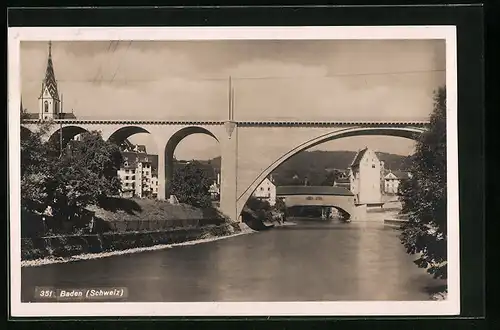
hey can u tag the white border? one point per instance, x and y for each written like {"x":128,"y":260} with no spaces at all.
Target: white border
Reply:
{"x":451,"y":306}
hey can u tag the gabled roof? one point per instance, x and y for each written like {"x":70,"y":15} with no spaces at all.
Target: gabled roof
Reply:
{"x":359,"y":156}
{"x":312,"y":190}
{"x":400,"y":175}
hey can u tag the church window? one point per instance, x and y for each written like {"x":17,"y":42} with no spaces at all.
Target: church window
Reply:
{"x":373,"y":165}
{"x":46,"y":106}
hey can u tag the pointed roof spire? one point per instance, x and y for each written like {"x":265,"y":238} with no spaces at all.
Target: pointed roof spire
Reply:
{"x":50,"y":78}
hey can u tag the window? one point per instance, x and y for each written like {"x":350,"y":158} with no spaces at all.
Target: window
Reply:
{"x":268,"y":189}
{"x":373,"y":165}
{"x":125,"y":164}
{"x":261,"y":188}
{"x":46,"y":106}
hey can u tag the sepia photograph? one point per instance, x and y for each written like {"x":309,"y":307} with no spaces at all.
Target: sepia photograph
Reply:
{"x":233,"y":171}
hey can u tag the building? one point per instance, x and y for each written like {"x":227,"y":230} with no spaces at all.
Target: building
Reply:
{"x":393,"y":179}
{"x":214,"y":189}
{"x":50,"y":103}
{"x":343,"y":183}
{"x":154,"y":183}
{"x":266,"y":191}
{"x":138,"y":175}
{"x":365,"y":177}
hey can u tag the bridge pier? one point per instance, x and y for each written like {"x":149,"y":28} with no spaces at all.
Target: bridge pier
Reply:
{"x":161,"y":176}
{"x":229,"y":157}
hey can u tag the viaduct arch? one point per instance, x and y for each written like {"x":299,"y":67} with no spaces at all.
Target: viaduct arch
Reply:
{"x":172,"y":144}
{"x":403,"y":132}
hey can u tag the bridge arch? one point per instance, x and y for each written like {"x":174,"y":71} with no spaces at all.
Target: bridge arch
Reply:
{"x":68,"y":133}
{"x":409,"y":132}
{"x":346,"y":215}
{"x":172,"y":144}
{"x":345,"y":211}
{"x":123,"y":133}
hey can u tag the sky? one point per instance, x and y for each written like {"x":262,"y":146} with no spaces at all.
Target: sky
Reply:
{"x":273,"y":80}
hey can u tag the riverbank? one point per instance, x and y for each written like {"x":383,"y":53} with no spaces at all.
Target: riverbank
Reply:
{"x":206,"y":237}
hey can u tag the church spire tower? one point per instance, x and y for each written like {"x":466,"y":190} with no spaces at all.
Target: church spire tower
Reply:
{"x":49,"y":101}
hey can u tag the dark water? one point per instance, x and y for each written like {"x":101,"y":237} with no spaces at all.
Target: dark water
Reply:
{"x":315,"y":260}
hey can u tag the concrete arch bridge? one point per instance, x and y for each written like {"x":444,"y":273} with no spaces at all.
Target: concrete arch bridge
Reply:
{"x":249,"y":151}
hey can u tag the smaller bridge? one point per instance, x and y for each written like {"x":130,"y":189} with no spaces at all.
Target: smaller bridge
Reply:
{"x":340,"y":198}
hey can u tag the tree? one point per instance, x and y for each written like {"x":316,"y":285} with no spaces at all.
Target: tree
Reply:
{"x":86,"y":173}
{"x":83,"y":174}
{"x":424,"y":195}
{"x":191,"y":185}
{"x":330,"y":178}
{"x":258,"y":208}
{"x":35,"y":169}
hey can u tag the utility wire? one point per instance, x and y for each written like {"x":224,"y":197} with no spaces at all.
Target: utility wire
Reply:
{"x":121,"y":60}
{"x":224,"y":79}
{"x":113,"y":45}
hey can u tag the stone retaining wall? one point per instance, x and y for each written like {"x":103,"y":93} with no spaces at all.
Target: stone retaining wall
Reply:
{"x":66,"y":246}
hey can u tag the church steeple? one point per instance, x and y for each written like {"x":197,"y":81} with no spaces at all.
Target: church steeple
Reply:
{"x":50,"y":77}
{"x":49,"y":95}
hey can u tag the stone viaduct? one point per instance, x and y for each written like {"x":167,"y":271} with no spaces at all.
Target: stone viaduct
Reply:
{"x":249,"y":150}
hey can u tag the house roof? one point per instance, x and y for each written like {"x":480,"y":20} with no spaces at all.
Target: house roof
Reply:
{"x":400,"y":175}
{"x":62,"y":115}
{"x":27,"y":115}
{"x":132,"y":158}
{"x":313,"y":190}
{"x":359,"y":156}
{"x":67,"y":115}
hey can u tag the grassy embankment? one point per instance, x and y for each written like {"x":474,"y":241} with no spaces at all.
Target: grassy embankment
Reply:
{"x":122,"y":224}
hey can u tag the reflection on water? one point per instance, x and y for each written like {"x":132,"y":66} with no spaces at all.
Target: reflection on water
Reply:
{"x":311,"y":260}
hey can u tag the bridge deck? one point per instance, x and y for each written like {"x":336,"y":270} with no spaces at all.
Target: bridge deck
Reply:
{"x":239,"y":123}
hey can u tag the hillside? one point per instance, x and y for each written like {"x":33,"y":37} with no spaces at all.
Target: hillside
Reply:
{"x":315,"y":165}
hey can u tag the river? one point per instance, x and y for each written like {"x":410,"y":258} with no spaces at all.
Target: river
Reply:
{"x":312,"y":260}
